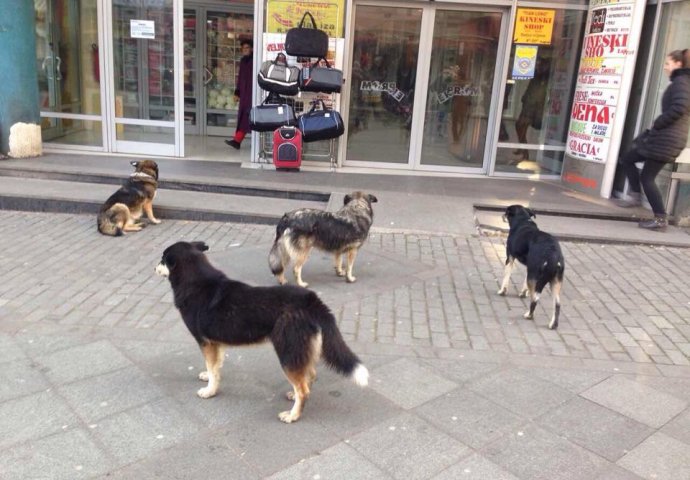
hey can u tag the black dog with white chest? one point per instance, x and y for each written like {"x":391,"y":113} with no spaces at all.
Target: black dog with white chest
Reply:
{"x":220,"y":312}
{"x":540,"y":253}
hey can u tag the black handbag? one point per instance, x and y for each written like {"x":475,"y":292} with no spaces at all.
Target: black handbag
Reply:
{"x":320,"y":79}
{"x":271,"y":114}
{"x":277,"y":77}
{"x":303,"y":41}
{"x":321,"y":124}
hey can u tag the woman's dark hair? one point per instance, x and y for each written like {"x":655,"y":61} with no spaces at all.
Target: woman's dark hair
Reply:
{"x":682,"y":56}
{"x":245,"y":41}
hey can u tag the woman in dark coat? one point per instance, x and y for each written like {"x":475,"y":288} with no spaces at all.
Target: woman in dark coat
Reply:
{"x":243,"y":92}
{"x":662,"y":143}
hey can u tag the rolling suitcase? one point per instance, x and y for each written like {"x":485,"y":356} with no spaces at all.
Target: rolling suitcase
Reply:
{"x":287,"y":148}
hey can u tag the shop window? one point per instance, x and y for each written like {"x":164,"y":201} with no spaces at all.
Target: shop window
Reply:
{"x":536,"y":106}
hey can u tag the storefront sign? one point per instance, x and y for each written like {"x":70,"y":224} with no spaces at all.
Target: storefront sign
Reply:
{"x":525,"y":61}
{"x":534,"y":26}
{"x":605,"y":50}
{"x":142,"y":29}
{"x":282,"y":15}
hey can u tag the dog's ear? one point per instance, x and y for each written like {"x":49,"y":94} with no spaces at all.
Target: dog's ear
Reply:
{"x":347,"y":199}
{"x":155,"y":169}
{"x":201,"y":246}
{"x":372,"y":198}
{"x":169,"y":260}
{"x":531,"y":213}
{"x":134,"y":163}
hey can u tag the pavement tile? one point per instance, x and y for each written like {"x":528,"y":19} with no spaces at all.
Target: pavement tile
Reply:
{"x":636,"y":400}
{"x":408,"y":448}
{"x":520,"y":393}
{"x":535,"y":454}
{"x":408,"y":383}
{"x":81,"y":362}
{"x":20,"y":377}
{"x":9,"y":348}
{"x":339,"y":462}
{"x":595,"y":428}
{"x":468,"y":417}
{"x":475,"y":467}
{"x":70,"y":455}
{"x":137,"y":433}
{"x":660,"y":457}
{"x":679,"y":427}
{"x":32,"y":417}
{"x":574,"y":380}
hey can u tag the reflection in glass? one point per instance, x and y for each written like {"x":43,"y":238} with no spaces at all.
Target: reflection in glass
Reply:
{"x":72,"y":132}
{"x":535,"y":109}
{"x":143,"y":133}
{"x":463,"y":62}
{"x":384,"y":68}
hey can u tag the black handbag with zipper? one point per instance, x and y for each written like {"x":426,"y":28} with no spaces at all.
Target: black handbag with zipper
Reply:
{"x":321,"y":124}
{"x":277,"y":77}
{"x":320,"y":79}
{"x":273,"y":113}
{"x":303,"y":41}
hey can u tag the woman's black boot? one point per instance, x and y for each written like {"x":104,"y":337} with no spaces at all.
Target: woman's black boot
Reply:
{"x":659,"y":222}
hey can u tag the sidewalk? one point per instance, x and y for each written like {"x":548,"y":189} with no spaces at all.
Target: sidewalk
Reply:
{"x":99,"y":373}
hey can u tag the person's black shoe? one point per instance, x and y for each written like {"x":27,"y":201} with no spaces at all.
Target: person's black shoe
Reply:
{"x":233,"y":143}
{"x":659,"y":222}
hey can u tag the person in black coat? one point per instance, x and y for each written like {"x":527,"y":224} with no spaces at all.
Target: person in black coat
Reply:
{"x":662,"y":143}
{"x":243,"y":93}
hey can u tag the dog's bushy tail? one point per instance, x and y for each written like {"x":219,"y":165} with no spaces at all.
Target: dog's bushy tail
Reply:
{"x":111,"y":221}
{"x":338,"y":355}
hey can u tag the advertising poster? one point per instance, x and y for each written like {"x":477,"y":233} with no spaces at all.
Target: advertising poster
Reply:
{"x":534,"y":26}
{"x":282,"y":15}
{"x":525,"y":60}
{"x":604,"y":54}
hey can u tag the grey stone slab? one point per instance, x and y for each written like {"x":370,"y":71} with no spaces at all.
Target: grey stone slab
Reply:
{"x":460,"y":371}
{"x":635,"y":400}
{"x":475,"y":467}
{"x":468,"y":417}
{"x":408,"y":448}
{"x":202,"y":455}
{"x":32,"y":417}
{"x":38,"y":345}
{"x":660,"y":457}
{"x":142,"y":351}
{"x":575,"y":380}
{"x":614,"y":472}
{"x":521,"y":393}
{"x":535,"y":454}
{"x":595,"y":428}
{"x":82,"y":361}
{"x":9,"y":348}
{"x":135,"y":434}
{"x":19,"y":378}
{"x":69,"y":455}
{"x":110,"y":393}
{"x":679,"y":427}
{"x":408,"y":384}
{"x":340,"y":462}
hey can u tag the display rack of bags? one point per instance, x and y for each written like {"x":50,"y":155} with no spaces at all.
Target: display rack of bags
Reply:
{"x":309,"y":88}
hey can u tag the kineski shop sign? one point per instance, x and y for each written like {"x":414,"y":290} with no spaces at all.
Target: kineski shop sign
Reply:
{"x":604,"y":52}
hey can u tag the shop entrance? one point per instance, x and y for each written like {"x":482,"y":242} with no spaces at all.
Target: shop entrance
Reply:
{"x":423,"y":86}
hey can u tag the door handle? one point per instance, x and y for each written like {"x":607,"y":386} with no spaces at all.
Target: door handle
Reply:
{"x":210,"y":75}
{"x":58,"y":75}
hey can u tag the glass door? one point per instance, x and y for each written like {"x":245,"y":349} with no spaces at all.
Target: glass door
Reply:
{"x":462,"y":78}
{"x":190,"y":34}
{"x":144,"y":106}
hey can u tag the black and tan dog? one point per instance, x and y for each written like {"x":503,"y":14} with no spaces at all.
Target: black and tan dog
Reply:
{"x":341,"y":232}
{"x":540,"y":253}
{"x":220,"y":312}
{"x":122,"y":211}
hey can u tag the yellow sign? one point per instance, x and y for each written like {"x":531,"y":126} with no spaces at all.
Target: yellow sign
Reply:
{"x":282,"y":15}
{"x":533,"y":26}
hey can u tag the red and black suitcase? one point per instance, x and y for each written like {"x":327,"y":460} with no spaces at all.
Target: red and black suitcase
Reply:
{"x":287,"y":148}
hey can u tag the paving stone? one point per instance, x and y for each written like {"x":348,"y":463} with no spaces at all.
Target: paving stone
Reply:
{"x":408,"y":383}
{"x":575,"y":380}
{"x":679,"y":427}
{"x":595,"y":428}
{"x":520,"y":393}
{"x":427,"y":450}
{"x":659,"y":457}
{"x":636,"y":400}
{"x":475,"y":467}
{"x":19,"y":378}
{"x":533,"y":453}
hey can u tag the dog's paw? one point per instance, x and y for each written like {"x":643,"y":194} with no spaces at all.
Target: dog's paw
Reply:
{"x":340,"y":272}
{"x":206,"y":392}
{"x":203,"y":376}
{"x":523,"y":294}
{"x":290,"y":395}
{"x":282,"y":280}
{"x":155,"y":221}
{"x":528,"y":316}
{"x":288,"y":417}
{"x":351,"y":279}
{"x":501,"y":292}
{"x":303,"y":284}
